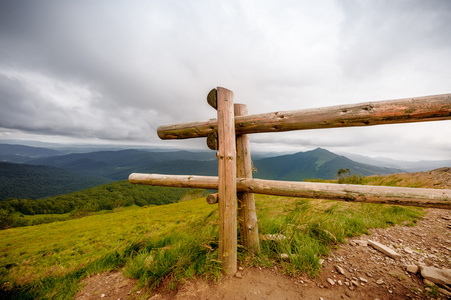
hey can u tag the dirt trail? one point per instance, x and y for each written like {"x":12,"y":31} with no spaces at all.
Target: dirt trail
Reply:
{"x":375,"y":275}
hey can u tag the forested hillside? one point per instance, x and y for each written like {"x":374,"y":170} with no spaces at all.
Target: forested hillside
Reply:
{"x":33,"y":182}
{"x":104,"y":197}
{"x":318,"y":163}
{"x":117,"y":165}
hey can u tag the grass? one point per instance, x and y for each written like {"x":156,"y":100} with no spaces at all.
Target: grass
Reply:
{"x":176,"y":242}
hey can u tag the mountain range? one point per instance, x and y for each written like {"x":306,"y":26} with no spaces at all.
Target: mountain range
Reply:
{"x":93,"y":168}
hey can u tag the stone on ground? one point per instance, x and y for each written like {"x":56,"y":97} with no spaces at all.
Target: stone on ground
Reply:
{"x":441,"y":276}
{"x":384,"y":249}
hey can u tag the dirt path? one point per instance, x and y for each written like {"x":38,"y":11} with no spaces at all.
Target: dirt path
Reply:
{"x":368,"y":273}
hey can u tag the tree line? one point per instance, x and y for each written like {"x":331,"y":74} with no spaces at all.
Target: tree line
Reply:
{"x":81,"y":203}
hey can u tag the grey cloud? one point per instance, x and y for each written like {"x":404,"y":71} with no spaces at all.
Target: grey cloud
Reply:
{"x":136,"y":65}
{"x":378,"y":34}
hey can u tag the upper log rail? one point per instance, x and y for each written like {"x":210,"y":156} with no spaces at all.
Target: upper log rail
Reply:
{"x":431,"y":198}
{"x":408,"y":110}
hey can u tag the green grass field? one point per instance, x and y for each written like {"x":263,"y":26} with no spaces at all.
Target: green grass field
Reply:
{"x":176,"y":241}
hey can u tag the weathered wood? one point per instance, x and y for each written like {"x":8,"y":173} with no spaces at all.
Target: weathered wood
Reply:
{"x":418,"y":109}
{"x":247,"y":214}
{"x":182,"y":181}
{"x":212,"y":198}
{"x":212,"y":140}
{"x":212,"y":98}
{"x":432,"y":198}
{"x":227,"y":182}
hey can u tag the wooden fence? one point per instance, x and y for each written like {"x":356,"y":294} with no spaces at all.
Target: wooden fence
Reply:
{"x":229,"y":136}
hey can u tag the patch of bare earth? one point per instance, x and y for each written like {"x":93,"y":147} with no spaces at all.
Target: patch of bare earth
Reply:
{"x":367,"y":272}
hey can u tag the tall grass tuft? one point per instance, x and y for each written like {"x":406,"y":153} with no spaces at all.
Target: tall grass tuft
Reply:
{"x":310,"y":228}
{"x":182,"y":254}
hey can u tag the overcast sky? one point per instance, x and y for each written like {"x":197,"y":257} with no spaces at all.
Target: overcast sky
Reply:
{"x":113,"y":71}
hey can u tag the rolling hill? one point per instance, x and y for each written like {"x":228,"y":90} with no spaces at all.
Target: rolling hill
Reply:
{"x":21,"y":154}
{"x":318,"y":163}
{"x":54,"y":175}
{"x":117,"y":165}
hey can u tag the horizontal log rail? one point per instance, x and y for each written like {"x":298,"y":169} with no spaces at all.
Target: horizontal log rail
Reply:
{"x":431,"y":198}
{"x":418,"y":109}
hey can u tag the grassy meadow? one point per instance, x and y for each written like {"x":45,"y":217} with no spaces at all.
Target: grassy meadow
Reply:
{"x":176,"y":242}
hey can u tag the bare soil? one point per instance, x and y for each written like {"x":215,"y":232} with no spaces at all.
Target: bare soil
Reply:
{"x":429,"y":243}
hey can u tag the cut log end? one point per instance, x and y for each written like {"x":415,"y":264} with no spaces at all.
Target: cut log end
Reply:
{"x":212,"y":198}
{"x":212,"y":140}
{"x":212,"y":98}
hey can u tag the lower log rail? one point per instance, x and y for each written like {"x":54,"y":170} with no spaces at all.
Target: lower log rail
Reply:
{"x":430,"y":198}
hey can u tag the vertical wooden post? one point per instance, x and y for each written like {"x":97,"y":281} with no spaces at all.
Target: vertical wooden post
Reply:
{"x":227,"y":181}
{"x":247,"y":214}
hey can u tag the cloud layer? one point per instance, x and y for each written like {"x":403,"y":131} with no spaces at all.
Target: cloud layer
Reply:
{"x":115,"y":71}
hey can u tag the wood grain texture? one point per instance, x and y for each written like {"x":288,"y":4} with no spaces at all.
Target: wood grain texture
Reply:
{"x":432,"y":198}
{"x":418,"y":109}
{"x":227,"y":181}
{"x":247,"y":214}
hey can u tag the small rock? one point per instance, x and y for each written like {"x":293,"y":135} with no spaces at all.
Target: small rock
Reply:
{"x":384,"y":249}
{"x":444,"y":292}
{"x":412,"y":268}
{"x":340,"y":270}
{"x":355,"y":283}
{"x":363,"y":279}
{"x":408,"y":250}
{"x":284,"y":256}
{"x":380,"y":281}
{"x":361,"y":243}
{"x":428,"y":282}
{"x":102,"y":296}
{"x":238,"y":275}
{"x":331,"y":281}
{"x":339,"y":282}
{"x":321,"y":298}
{"x":274,"y":237}
{"x":240,"y":268}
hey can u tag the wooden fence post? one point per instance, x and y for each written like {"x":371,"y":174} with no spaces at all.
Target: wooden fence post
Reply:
{"x":247,"y":214}
{"x":227,"y":181}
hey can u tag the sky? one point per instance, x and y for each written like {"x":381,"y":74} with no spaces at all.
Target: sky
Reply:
{"x":111,"y":72}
